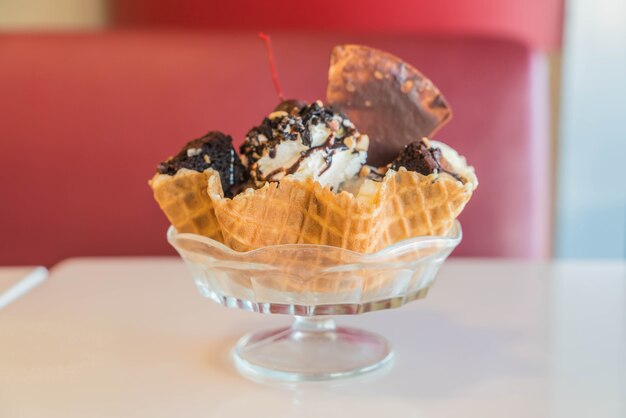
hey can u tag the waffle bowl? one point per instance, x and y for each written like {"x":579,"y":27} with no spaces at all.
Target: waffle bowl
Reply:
{"x":312,"y":282}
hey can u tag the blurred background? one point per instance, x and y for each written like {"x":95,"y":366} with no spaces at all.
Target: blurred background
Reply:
{"x":95,"y":93}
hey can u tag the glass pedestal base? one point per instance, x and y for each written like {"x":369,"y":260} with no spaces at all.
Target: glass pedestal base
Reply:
{"x":312,"y":348}
{"x":310,"y":282}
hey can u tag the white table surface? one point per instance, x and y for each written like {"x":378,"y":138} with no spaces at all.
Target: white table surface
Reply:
{"x":131,"y":337}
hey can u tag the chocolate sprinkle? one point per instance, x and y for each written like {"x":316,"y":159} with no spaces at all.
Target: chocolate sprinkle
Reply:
{"x":291,"y":126}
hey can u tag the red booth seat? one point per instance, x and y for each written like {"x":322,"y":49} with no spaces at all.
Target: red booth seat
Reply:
{"x":533,"y":22}
{"x":86,"y":118}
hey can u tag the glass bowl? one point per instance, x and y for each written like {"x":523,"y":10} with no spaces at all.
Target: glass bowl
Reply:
{"x":311,"y":282}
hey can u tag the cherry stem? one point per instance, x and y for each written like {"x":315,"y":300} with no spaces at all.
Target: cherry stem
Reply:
{"x":270,"y":56}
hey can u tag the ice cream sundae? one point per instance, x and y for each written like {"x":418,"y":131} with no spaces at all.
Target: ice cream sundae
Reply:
{"x":356,"y":172}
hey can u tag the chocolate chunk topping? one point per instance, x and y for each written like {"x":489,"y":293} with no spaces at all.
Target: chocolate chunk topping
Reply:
{"x":214,"y":150}
{"x":312,"y":115}
{"x":269,"y":134}
{"x":291,"y":106}
{"x":419,"y":157}
{"x":292,"y":125}
{"x":388,"y":99}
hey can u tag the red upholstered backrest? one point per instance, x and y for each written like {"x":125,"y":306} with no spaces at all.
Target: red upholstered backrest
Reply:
{"x":86,"y":118}
{"x":534,"y":22}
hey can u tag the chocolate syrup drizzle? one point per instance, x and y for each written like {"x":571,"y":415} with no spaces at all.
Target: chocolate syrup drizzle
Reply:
{"x":293,"y":126}
{"x":327,"y":146}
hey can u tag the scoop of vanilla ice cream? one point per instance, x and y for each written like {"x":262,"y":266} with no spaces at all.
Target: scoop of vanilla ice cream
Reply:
{"x":309,"y":141}
{"x":424,"y":156}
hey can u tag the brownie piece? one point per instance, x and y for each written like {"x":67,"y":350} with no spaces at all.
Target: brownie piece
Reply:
{"x":214,"y":150}
{"x":420,"y":157}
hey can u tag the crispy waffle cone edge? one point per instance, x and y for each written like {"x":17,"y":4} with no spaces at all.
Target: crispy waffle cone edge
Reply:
{"x":184,"y":200}
{"x":407,"y":204}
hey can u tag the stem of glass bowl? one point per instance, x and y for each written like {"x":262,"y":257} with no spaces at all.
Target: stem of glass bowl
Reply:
{"x":312,"y":348}
{"x":313,"y":324}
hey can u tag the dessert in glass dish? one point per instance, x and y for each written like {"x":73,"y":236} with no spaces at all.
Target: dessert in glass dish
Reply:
{"x":329,"y":208}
